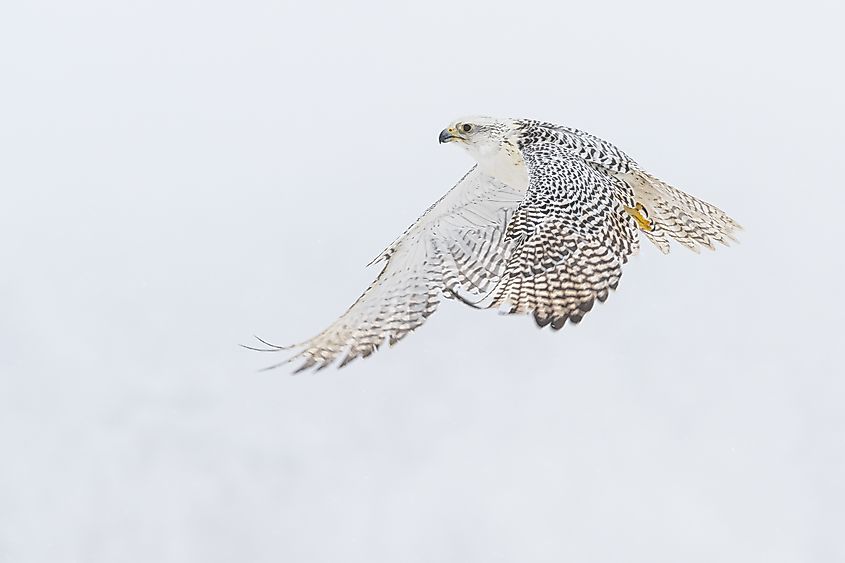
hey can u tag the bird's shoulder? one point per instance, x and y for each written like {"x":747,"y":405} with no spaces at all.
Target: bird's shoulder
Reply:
{"x":531,"y":135}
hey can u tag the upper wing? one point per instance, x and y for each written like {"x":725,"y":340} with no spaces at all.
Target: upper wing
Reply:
{"x":586,"y":146}
{"x":670,"y":212}
{"x":458,"y":243}
{"x":572,"y":235}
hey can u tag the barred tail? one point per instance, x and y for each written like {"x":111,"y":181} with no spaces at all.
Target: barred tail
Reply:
{"x":678,"y":215}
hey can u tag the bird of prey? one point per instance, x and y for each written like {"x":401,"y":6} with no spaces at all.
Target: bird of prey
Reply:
{"x":541,"y":224}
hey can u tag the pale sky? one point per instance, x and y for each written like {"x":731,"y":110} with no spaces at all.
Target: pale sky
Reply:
{"x":177,"y":176}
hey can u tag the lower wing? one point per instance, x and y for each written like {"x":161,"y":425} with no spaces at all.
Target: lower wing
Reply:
{"x":458,"y":244}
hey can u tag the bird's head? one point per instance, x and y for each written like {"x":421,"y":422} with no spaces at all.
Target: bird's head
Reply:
{"x":478,"y":135}
{"x":492,"y":143}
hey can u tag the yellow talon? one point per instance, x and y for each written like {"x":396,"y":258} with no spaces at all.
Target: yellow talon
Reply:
{"x":643,"y":221}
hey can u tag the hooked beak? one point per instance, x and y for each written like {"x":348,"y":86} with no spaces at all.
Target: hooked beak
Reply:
{"x":448,"y":135}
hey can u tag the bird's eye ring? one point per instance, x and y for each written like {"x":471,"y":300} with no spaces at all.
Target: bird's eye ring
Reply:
{"x":466,"y":127}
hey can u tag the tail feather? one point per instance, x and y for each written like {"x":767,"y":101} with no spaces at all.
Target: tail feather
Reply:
{"x":674,"y":214}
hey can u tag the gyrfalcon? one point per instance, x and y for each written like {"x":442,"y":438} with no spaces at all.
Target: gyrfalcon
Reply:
{"x":542,"y":224}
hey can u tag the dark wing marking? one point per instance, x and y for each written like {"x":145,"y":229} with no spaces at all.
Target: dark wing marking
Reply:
{"x":572,"y":235}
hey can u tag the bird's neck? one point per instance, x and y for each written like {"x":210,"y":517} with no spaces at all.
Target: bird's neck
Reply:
{"x":505,"y":163}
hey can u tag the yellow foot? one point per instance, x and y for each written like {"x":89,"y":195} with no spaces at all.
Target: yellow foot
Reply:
{"x":642,"y":220}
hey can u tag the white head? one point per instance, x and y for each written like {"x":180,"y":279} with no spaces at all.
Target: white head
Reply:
{"x":491,"y":142}
{"x":478,"y":135}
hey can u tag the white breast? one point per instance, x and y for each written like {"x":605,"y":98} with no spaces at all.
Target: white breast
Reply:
{"x":504,"y":163}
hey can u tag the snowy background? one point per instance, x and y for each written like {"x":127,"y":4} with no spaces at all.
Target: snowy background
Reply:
{"x":176,"y":176}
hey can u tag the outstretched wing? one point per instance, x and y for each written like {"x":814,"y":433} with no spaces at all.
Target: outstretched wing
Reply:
{"x":572,"y":235}
{"x":457,"y":244}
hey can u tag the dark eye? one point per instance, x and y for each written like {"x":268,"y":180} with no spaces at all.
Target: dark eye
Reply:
{"x":466,"y":127}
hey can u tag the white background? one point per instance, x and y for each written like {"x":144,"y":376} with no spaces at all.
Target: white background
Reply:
{"x":176,"y":176}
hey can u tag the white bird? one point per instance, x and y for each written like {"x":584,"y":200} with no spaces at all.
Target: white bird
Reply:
{"x":541,"y":224}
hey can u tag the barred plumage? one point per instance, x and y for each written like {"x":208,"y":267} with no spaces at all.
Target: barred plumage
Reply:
{"x":573,"y":236}
{"x":542,"y":225}
{"x":457,"y":243}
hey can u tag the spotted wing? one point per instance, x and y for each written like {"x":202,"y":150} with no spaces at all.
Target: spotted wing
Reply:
{"x":457,"y":245}
{"x":572,"y":236}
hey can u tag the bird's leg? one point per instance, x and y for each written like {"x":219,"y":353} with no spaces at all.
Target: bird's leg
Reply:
{"x":640,"y":215}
